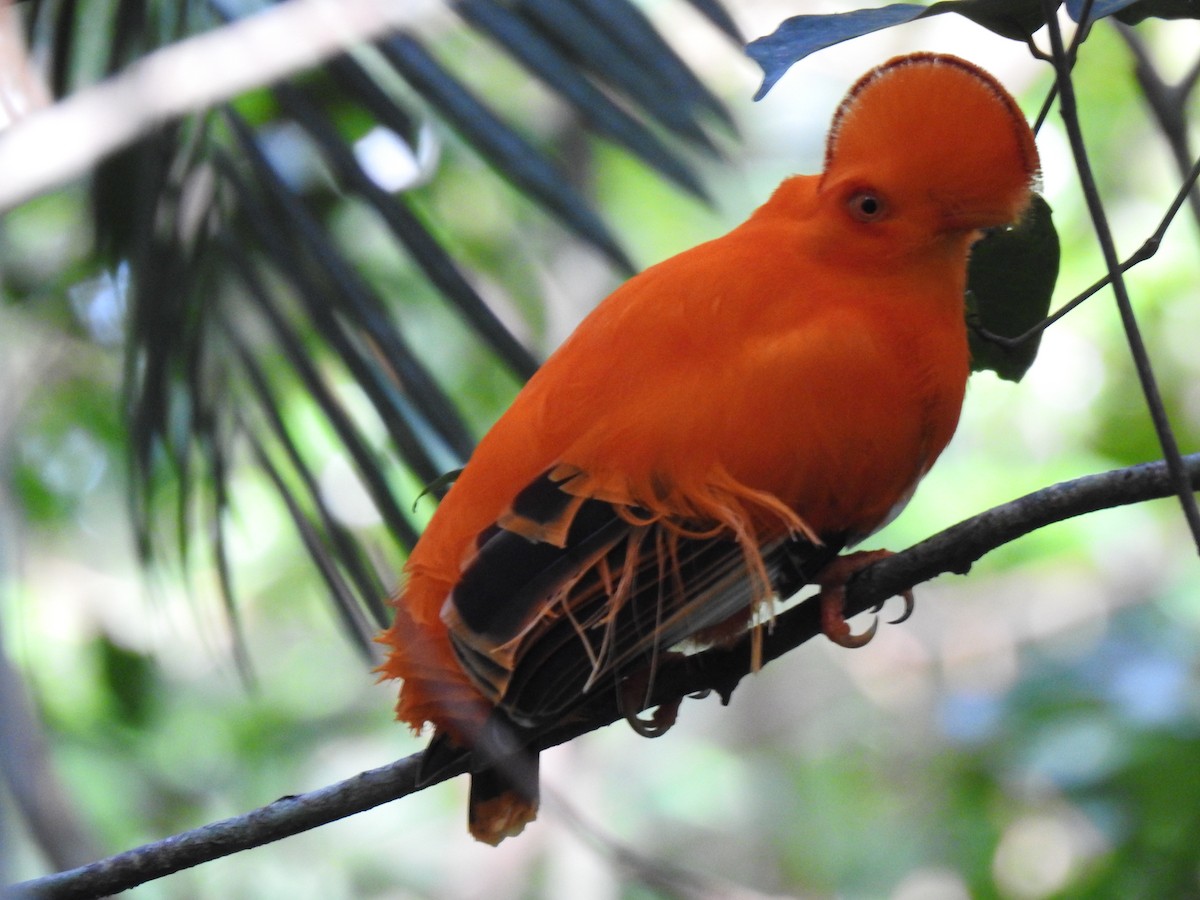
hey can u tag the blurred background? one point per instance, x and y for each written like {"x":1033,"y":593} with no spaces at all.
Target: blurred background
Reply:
{"x":218,"y":362}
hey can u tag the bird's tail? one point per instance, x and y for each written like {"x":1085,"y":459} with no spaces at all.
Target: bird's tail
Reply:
{"x":504,"y":799}
{"x":504,"y":777}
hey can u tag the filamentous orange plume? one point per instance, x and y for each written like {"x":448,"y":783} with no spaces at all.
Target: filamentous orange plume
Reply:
{"x":714,"y":433}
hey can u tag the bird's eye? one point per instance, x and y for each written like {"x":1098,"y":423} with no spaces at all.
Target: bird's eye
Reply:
{"x":866,"y":206}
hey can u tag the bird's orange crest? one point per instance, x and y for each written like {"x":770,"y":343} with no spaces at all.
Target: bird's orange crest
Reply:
{"x":959,"y":127}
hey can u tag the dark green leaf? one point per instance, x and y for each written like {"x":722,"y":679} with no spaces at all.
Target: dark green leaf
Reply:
{"x":800,"y":36}
{"x":1010,"y":283}
{"x":1159,"y":9}
{"x":1016,"y":20}
{"x":1099,"y":9}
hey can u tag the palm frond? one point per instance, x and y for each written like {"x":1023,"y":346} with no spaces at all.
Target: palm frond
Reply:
{"x":511,"y":155}
{"x":246,"y":303}
{"x":551,"y":65}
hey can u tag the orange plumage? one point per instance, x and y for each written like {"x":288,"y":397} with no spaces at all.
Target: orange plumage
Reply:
{"x":717,"y":429}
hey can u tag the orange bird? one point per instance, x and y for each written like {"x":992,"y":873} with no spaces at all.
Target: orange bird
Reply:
{"x":713,"y":433}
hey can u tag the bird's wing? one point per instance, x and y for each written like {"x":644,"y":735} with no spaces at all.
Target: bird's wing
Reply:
{"x":569,"y":593}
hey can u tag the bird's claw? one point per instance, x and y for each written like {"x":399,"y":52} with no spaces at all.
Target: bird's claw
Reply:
{"x":659,"y":723}
{"x":852,"y":641}
{"x":631,"y":698}
{"x":833,"y":580}
{"x":910,"y":604}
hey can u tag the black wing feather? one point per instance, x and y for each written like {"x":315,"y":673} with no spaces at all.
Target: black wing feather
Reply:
{"x":540,"y":626}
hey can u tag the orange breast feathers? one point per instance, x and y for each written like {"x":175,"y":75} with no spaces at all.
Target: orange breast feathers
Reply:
{"x":790,"y":381}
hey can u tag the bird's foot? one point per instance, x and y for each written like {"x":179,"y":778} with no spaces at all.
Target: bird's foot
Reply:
{"x":832,"y":581}
{"x":632,"y":697}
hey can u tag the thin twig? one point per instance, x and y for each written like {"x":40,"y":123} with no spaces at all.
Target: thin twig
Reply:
{"x":718,"y":669}
{"x":1133,"y":335}
{"x":1168,"y":104}
{"x":1047,"y":105}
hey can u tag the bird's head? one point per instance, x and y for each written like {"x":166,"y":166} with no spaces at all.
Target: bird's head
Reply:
{"x":929,"y":144}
